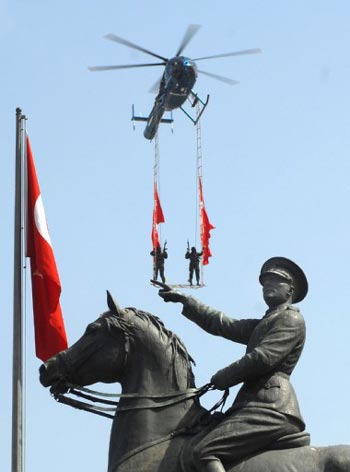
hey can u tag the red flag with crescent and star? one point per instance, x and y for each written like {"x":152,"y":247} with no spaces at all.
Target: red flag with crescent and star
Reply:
{"x":50,"y":334}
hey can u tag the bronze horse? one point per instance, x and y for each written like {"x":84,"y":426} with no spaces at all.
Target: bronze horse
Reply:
{"x":159,"y":403}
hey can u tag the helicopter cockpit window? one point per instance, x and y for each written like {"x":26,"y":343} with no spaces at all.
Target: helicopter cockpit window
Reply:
{"x":176,"y":72}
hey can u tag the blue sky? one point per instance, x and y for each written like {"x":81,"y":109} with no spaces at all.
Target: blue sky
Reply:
{"x":276,"y":182}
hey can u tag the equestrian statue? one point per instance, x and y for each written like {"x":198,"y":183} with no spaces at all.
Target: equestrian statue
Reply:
{"x":159,"y":424}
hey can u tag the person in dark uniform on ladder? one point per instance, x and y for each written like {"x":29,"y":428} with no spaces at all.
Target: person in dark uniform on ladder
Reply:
{"x":159,"y":257}
{"x":266,"y":408}
{"x":194,"y":258}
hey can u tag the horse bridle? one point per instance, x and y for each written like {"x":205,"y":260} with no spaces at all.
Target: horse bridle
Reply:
{"x":163,"y":399}
{"x":62,"y":388}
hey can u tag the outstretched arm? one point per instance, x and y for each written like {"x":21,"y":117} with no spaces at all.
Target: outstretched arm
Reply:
{"x":212,"y":321}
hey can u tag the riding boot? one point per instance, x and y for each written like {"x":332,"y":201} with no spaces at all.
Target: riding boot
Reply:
{"x":213,"y":466}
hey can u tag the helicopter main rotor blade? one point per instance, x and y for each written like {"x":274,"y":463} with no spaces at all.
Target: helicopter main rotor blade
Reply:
{"x":236,"y":53}
{"x":131,"y":66}
{"x":219,"y":77}
{"x":120,"y":40}
{"x":191,"y":31}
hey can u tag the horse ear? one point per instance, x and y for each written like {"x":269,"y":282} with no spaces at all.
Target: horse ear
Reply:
{"x":113,"y":305}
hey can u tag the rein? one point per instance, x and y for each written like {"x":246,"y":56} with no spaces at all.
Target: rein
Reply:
{"x":93,"y":396}
{"x":187,"y":430}
{"x":175,"y":397}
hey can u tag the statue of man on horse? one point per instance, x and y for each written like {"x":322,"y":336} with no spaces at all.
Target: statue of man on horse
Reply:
{"x":159,"y":424}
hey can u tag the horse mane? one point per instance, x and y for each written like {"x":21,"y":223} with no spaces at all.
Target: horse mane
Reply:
{"x":126,"y":324}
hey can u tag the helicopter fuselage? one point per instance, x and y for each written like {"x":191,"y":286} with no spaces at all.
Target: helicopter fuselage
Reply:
{"x":179,"y":77}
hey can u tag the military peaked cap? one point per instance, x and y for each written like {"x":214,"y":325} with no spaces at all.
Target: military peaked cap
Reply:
{"x":288,"y":270}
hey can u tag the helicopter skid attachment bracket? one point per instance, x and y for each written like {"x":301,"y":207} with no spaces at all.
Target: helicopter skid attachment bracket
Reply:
{"x":196,"y":99}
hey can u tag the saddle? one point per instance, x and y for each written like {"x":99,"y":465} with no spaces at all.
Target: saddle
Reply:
{"x":289,"y":441}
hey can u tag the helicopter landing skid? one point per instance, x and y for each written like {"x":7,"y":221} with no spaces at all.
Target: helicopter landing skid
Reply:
{"x":194,"y":100}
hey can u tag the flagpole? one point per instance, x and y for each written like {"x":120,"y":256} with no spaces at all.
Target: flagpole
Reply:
{"x":17,"y":366}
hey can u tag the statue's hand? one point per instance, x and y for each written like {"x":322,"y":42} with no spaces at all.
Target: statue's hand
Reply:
{"x":219,"y":380}
{"x":168,"y":294}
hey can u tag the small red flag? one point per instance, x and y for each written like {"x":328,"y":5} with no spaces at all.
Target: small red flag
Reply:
{"x":206,"y":226}
{"x":50,"y":334}
{"x":158,"y":217}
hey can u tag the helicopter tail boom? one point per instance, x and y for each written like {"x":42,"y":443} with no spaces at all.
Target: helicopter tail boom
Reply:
{"x":153,"y":121}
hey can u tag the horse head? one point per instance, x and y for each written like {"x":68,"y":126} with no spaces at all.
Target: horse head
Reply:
{"x":98,"y":356}
{"x":123,"y":345}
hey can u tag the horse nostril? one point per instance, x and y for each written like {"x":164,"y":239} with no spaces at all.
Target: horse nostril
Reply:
{"x":43,"y":375}
{"x":58,"y":387}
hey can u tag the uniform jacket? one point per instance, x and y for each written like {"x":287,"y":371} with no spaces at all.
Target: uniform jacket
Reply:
{"x":274,"y":344}
{"x":159,"y":257}
{"x":194,"y":258}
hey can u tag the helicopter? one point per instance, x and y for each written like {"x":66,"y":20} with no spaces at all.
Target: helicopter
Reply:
{"x":177,"y":81}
